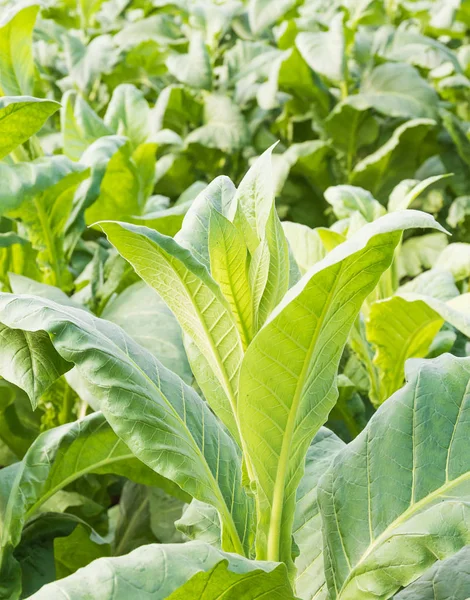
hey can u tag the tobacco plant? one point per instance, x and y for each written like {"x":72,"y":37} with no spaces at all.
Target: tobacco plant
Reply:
{"x":278,"y":506}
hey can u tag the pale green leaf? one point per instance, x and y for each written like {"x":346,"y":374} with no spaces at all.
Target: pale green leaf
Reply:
{"x":399,"y":157}
{"x":146,"y":318}
{"x":396,"y":499}
{"x":16,"y":49}
{"x":456,"y":258}
{"x":174,"y":572}
{"x":20,"y":118}
{"x":310,"y":577}
{"x":194,"y":298}
{"x":161,"y":419}
{"x":229,"y":268}
{"x":287,"y":379}
{"x":194,"y":68}
{"x":128,"y":114}
{"x":404,"y":327}
{"x":324,"y":51}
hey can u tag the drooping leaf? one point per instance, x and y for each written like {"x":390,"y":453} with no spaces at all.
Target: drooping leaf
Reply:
{"x":55,"y":459}
{"x":410,"y":459}
{"x":420,"y":253}
{"x":287,"y":379}
{"x":169,"y":412}
{"x":456,"y":258}
{"x":174,"y":572}
{"x":399,"y":157}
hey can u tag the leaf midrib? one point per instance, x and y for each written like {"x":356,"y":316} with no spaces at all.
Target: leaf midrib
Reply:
{"x":409,"y":512}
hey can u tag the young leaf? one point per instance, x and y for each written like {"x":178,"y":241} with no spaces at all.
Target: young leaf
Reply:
{"x":288,"y":374}
{"x":80,"y":125}
{"x":128,"y":114}
{"x":161,"y":419}
{"x":174,"y":572}
{"x":410,"y":460}
{"x":195,"y":299}
{"x":228,"y":257}
{"x":20,"y":118}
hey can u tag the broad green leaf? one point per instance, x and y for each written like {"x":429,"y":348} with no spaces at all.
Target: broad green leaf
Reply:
{"x":22,"y":181}
{"x":324,"y":51}
{"x":177,"y":435}
{"x":411,"y":461}
{"x":123,"y":189}
{"x":28,"y":361}
{"x":420,"y":253}
{"x":16,"y":50}
{"x":397,"y":158}
{"x":310,"y":577}
{"x":196,"y":301}
{"x":20,"y":118}
{"x":167,"y":221}
{"x":404,"y":327}
{"x":438,"y":283}
{"x":146,"y":318}
{"x":80,"y":125}
{"x":459,"y":212}
{"x":287,"y":379}
{"x":44,"y":216}
{"x":194,"y":68}
{"x":56,"y":458}
{"x":348,"y":199}
{"x":446,"y":579}
{"x":262,"y":14}
{"x":173,"y":572}
{"x":456,"y":258}
{"x":24,"y":285}
{"x":128,"y":114}
{"x":229,"y":268}
{"x":224,"y":126}
{"x":396,"y":90}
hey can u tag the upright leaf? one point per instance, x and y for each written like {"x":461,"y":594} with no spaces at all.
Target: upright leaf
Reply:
{"x":20,"y":118}
{"x":288,"y":375}
{"x":195,"y":299}
{"x":16,"y":50}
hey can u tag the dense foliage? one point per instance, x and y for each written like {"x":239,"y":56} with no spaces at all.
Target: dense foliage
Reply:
{"x":223,"y":226}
